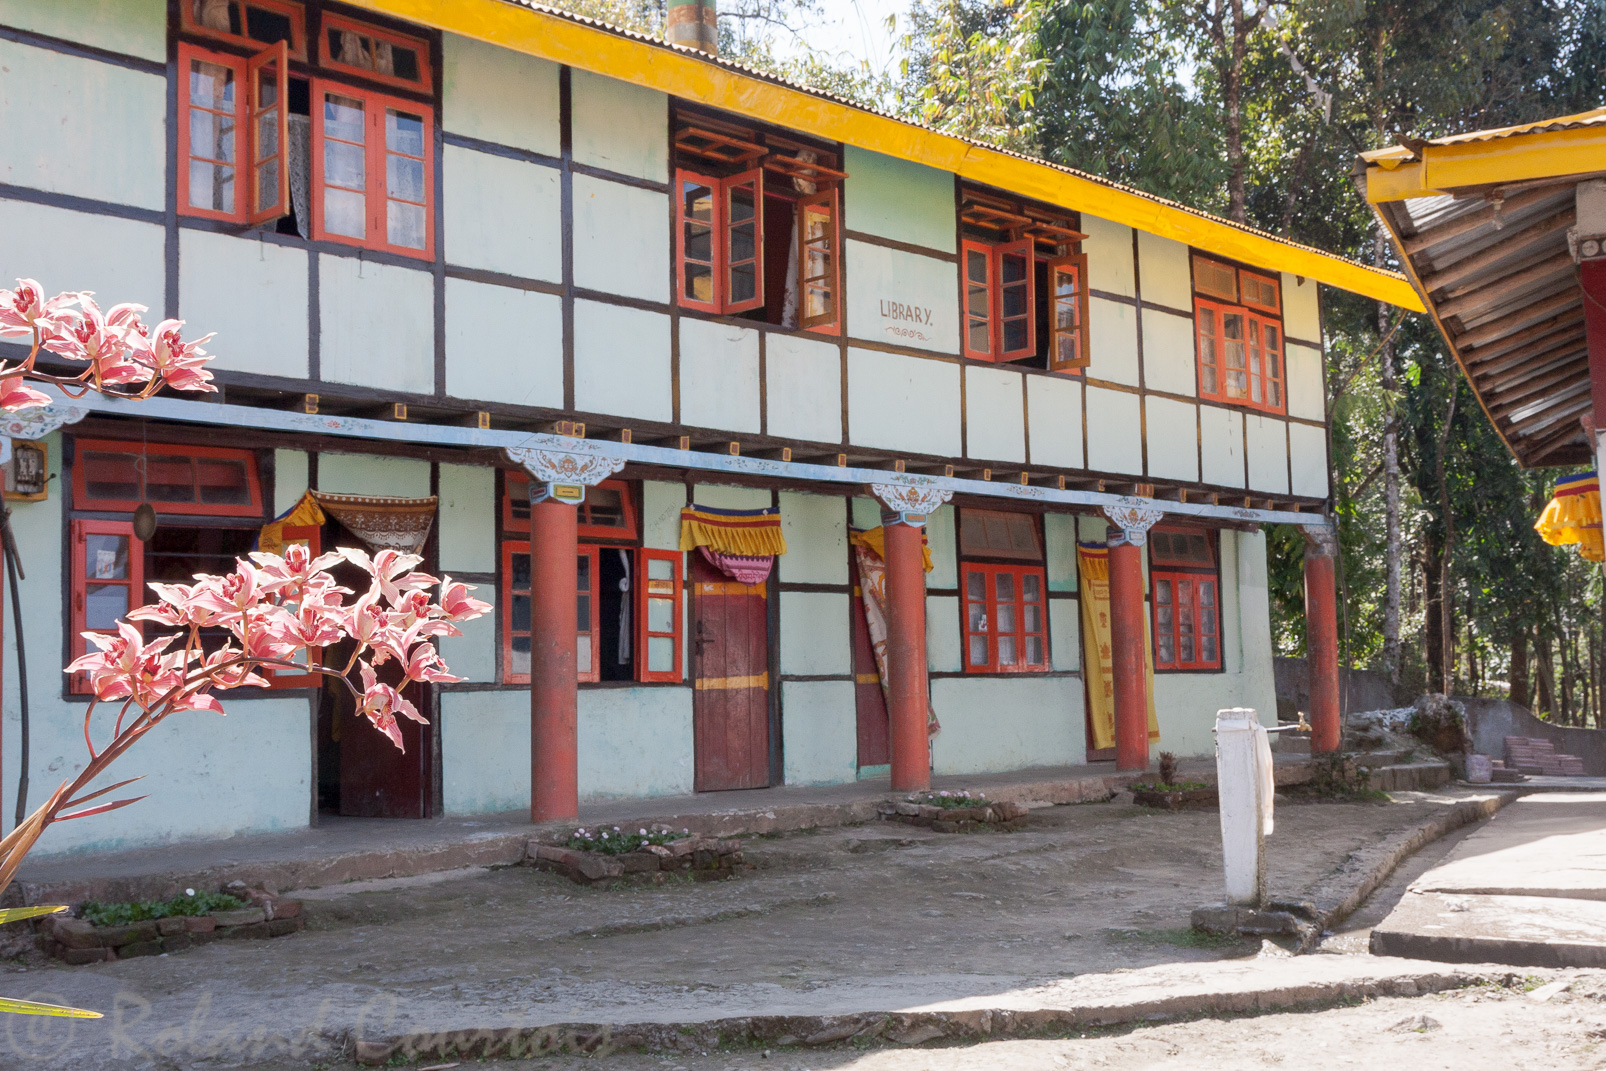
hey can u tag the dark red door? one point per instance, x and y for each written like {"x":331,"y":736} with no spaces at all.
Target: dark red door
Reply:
{"x":376,"y":780}
{"x":875,"y":742}
{"x":730,"y":667}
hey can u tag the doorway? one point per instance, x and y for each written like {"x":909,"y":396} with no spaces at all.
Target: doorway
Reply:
{"x":361,"y":774}
{"x":730,"y":669}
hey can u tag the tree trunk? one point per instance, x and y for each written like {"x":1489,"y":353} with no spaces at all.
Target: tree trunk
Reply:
{"x":1391,"y":485}
{"x":1547,"y":676}
{"x":1432,"y":608}
{"x":1518,"y":677}
{"x":1564,"y":647}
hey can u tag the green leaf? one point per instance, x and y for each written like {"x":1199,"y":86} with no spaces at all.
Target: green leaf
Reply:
{"x":33,"y":1007}
{"x":17,"y":914}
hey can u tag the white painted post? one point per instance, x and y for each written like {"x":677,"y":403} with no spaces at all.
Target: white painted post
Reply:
{"x":1240,"y":781}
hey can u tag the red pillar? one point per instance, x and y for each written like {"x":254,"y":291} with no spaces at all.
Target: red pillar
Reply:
{"x":1321,"y":641}
{"x":1127,"y":640}
{"x":906,"y":659}
{"x":554,"y":761}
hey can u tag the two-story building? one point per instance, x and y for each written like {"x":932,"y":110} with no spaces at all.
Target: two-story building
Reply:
{"x":780,"y":432}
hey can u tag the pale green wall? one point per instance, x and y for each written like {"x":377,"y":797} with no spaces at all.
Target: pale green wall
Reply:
{"x":1164,"y":273}
{"x":1266,"y":443}
{"x":718,"y":376}
{"x":1221,"y":441}
{"x":661,"y":506}
{"x":485,"y":751}
{"x":118,"y":259}
{"x":944,"y":645}
{"x":619,"y":126}
{"x":1059,"y":537}
{"x":1112,"y":341}
{"x":82,"y":127}
{"x":502,"y":215}
{"x":131,"y":27}
{"x":941,"y":539}
{"x":503,"y":344}
{"x":367,"y":474}
{"x":1065,"y":634}
{"x":816,"y":530}
{"x":1170,"y":362}
{"x":289,"y":479}
{"x":1307,"y":395}
{"x":467,"y":518}
{"x":996,"y":724}
{"x":1109,"y":255}
{"x":1302,"y":310}
{"x":899,"y":200}
{"x":266,"y":334}
{"x":377,"y":325}
{"x":473,"y":654}
{"x":621,"y":238}
{"x":1173,"y":438}
{"x":1307,"y":449}
{"x":898,"y":402}
{"x":995,"y":414}
{"x":727,"y":496}
{"x":635,"y":742}
{"x":819,"y":730}
{"x":804,"y":388}
{"x":621,"y":361}
{"x":878,"y":277}
{"x":814,"y":633}
{"x":1114,"y":431}
{"x":499,"y":95}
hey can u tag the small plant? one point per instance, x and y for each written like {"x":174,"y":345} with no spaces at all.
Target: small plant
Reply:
{"x":1336,"y":775}
{"x":616,"y":841}
{"x":950,"y":800}
{"x":190,"y":903}
{"x":1169,"y":786}
{"x":1168,"y":767}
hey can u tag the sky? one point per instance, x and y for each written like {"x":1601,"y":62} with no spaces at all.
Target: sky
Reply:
{"x":854,"y":30}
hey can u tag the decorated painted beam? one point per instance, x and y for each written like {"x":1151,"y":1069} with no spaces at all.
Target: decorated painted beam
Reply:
{"x":33,"y":424}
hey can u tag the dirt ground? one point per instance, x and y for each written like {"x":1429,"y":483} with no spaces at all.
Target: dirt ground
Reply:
{"x":864,"y":918}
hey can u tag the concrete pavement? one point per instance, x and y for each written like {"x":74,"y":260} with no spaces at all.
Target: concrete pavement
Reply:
{"x":1528,"y":888}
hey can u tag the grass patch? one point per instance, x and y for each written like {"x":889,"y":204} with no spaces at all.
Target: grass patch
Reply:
{"x":121,"y":914}
{"x":1182,"y":937}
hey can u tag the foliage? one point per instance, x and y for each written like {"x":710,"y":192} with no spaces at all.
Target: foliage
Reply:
{"x":191,"y":903}
{"x":949,"y":800}
{"x":1162,"y":785}
{"x":619,"y":842}
{"x":1334,"y":775}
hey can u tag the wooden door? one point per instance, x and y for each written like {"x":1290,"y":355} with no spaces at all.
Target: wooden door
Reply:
{"x":376,"y":780}
{"x":730,"y":668}
{"x":875,"y":740}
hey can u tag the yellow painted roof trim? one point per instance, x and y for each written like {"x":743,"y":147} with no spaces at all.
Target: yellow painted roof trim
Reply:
{"x":1517,"y":158}
{"x":682,"y":73}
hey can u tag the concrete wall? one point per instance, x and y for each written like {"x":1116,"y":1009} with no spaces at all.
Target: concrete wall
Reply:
{"x":1492,"y":720}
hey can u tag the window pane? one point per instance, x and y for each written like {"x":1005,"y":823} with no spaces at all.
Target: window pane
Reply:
{"x":106,"y":557}
{"x":223,"y":481}
{"x":521,"y":613}
{"x":660,"y":615}
{"x":404,"y":133}
{"x":1185,"y":648}
{"x":1004,"y":584}
{"x":582,"y":612}
{"x":1006,"y":617}
{"x":1166,"y":650}
{"x":978,"y":650}
{"x":404,"y":178}
{"x":582,"y":650}
{"x":211,"y":186}
{"x":1163,"y":620}
{"x":169,"y":479}
{"x":976,"y":617}
{"x":1207,"y":650}
{"x":1006,"y":650}
{"x":343,"y":213}
{"x":976,"y":585}
{"x":660,"y":654}
{"x":104,"y":604}
{"x":343,"y":118}
{"x":1033,"y":616}
{"x":344,"y":165}
{"x":1034,"y":651}
{"x":521,"y":571}
{"x":1184,"y":592}
{"x":521,"y":656}
{"x":1031,"y":587}
{"x":603,"y":508}
{"x":1162,"y":592}
{"x":404,"y":224}
{"x":1207,"y":593}
{"x":269,"y":27}
{"x":211,"y":86}
{"x":660,"y":569}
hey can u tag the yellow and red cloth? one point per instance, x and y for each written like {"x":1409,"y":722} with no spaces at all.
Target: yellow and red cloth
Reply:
{"x":1573,"y":516}
{"x":745,"y":532}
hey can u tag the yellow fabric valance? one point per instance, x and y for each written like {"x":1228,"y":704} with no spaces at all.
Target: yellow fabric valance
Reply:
{"x":875,"y":539}
{"x":746,"y":532}
{"x":1573,"y":517}
{"x":304,"y":514}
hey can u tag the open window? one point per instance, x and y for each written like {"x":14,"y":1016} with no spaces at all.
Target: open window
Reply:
{"x":1025,"y":284}
{"x":757,"y":225}
{"x":371,"y":183}
{"x":1185,"y":587}
{"x":620,"y":623}
{"x":250,"y":23}
{"x":378,"y":54}
{"x":1004,"y":590}
{"x":1238,"y":324}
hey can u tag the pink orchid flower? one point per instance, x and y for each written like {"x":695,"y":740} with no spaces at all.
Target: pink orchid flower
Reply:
{"x":426,"y":665}
{"x":180,"y":364}
{"x":381,"y":703}
{"x":15,"y":394}
{"x":457,"y":604}
{"x":25,"y":310}
{"x":88,"y":337}
{"x":391,"y":570}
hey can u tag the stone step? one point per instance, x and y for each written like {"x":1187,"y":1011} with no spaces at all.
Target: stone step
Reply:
{"x":1410,"y":776}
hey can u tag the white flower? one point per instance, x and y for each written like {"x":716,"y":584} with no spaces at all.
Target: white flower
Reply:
{"x":643,"y":832}
{"x":189,"y":892}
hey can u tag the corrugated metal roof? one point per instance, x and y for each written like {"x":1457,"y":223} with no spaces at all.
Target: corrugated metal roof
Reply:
{"x":1565,"y":122}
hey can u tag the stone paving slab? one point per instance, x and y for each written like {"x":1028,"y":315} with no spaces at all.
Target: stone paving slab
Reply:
{"x":1546,"y":844}
{"x":1529,"y":931}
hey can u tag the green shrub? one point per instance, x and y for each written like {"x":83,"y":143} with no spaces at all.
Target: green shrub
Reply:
{"x":617,"y":842}
{"x":121,"y":914}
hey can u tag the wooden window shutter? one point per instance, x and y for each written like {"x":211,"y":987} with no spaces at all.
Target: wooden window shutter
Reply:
{"x":743,"y":241}
{"x":697,"y":243}
{"x":659,"y":615}
{"x":268,"y":133}
{"x":1014,"y":285}
{"x":976,"y":264}
{"x":1067,"y":313}
{"x":819,"y":259}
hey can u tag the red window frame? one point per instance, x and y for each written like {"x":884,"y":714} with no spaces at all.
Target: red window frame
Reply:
{"x":722,"y":230}
{"x":819,"y":261}
{"x":1185,"y":602}
{"x":650,"y":590}
{"x":587,"y":619}
{"x":134,"y":580}
{"x":1262,"y":367}
{"x":376,"y":150}
{"x":1276,"y":305}
{"x":420,"y":47}
{"x":1067,"y":314}
{"x":516,"y":488}
{"x":983,"y":626}
{"x":82,"y":499}
{"x":298,"y":25}
{"x":1185,"y":616}
{"x":993,"y":303}
{"x":188,"y":54}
